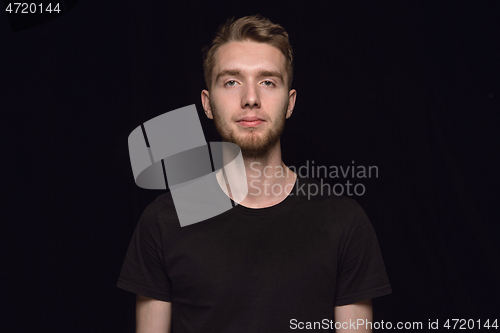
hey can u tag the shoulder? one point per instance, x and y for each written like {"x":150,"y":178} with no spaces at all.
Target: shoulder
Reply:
{"x":159,"y":213}
{"x":342,"y":210}
{"x":163,"y":203}
{"x":321,"y":194}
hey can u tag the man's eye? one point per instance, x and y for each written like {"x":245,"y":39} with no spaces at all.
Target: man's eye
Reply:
{"x":268,"y":83}
{"x":231,"y":83}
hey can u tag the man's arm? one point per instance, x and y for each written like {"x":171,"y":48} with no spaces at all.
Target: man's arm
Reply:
{"x":346,"y":314}
{"x":152,"y":315}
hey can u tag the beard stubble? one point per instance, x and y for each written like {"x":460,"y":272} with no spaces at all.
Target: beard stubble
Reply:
{"x":252,"y":144}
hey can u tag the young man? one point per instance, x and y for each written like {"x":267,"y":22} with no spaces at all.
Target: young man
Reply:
{"x":278,"y":261}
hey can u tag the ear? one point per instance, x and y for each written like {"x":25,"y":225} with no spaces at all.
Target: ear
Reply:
{"x":292,"y":95}
{"x":205,"y":100}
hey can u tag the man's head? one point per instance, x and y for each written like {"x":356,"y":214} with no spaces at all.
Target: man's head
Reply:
{"x":253,"y":28}
{"x":248,"y":70}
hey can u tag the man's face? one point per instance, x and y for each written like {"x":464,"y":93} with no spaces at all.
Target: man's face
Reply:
{"x":249,"y":99}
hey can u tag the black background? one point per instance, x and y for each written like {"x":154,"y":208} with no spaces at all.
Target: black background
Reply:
{"x":411,"y":87}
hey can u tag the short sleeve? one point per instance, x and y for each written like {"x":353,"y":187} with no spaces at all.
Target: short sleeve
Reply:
{"x":143,"y":271}
{"x":361,"y":270}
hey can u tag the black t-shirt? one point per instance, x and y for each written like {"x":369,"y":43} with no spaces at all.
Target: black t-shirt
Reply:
{"x":256,"y":270}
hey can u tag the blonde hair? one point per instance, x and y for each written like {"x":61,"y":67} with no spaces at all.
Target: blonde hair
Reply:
{"x":254,"y":28}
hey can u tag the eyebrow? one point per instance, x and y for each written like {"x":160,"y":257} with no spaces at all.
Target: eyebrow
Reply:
{"x":237,"y":72}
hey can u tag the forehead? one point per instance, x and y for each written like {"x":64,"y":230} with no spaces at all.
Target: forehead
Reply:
{"x":248,"y":56}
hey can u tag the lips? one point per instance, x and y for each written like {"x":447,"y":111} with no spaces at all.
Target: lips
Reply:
{"x":250,"y":121}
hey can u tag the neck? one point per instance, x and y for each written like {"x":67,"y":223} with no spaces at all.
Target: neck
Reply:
{"x":268,"y":180}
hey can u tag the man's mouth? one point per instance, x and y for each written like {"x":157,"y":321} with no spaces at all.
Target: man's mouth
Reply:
{"x":250,"y":121}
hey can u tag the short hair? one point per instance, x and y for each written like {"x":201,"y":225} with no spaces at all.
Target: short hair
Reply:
{"x":254,"y":28}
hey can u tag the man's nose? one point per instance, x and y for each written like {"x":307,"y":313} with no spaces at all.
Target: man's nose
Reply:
{"x":250,"y":96}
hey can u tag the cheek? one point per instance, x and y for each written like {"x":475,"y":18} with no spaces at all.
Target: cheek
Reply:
{"x":276,"y":96}
{"x":279,"y":102}
{"x":225,"y":100}
{"x":219,"y":112}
